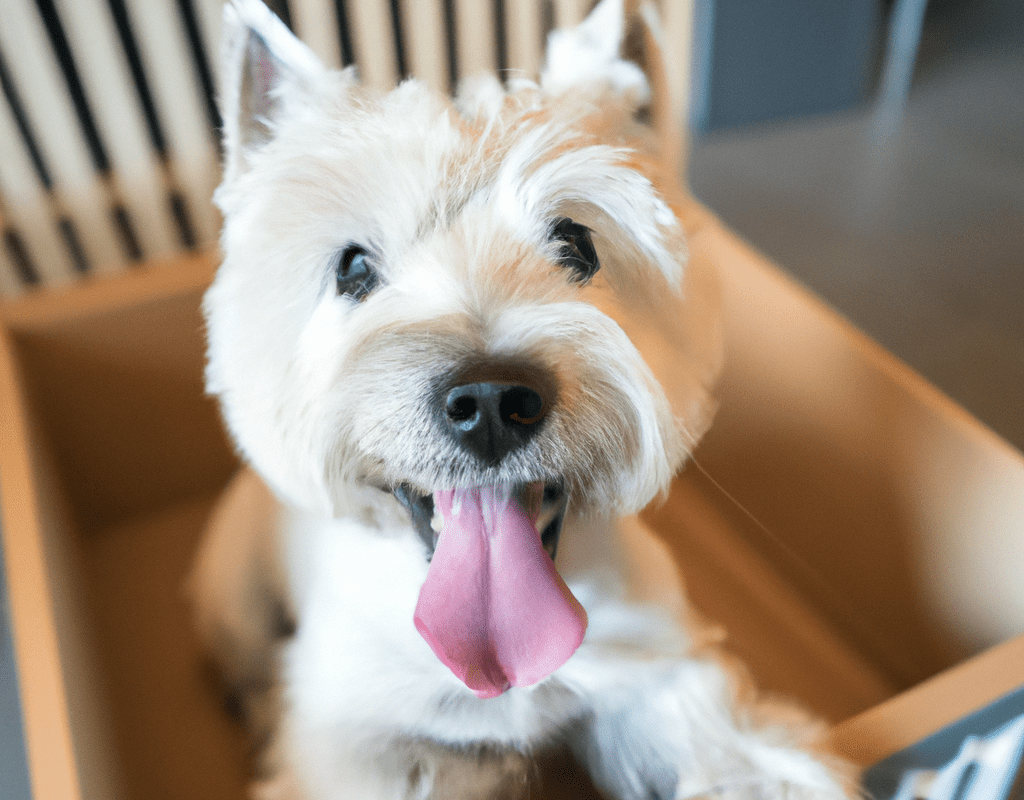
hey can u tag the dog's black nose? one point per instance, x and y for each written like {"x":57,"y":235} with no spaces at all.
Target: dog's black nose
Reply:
{"x":493,"y":419}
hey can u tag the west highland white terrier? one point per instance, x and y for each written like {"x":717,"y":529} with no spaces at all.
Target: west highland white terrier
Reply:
{"x":459,"y":345}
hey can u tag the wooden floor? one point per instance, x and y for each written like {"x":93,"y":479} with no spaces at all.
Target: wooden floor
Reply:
{"x":914,"y":231}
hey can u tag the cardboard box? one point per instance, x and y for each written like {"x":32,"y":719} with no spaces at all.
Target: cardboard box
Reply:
{"x":931,"y":705}
{"x":830,"y":470}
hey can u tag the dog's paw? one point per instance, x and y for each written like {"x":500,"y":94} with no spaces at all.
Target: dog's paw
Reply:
{"x":757,"y":788}
{"x":682,"y":735}
{"x":659,"y":782}
{"x":778,"y":774}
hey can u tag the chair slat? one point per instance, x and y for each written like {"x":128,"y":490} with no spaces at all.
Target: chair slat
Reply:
{"x":373,"y":41}
{"x":210,"y":14}
{"x":570,"y":12}
{"x":208,"y":18}
{"x":179,"y":102}
{"x":426,"y":41}
{"x":677,"y":46}
{"x":28,"y":209}
{"x":316,"y":23}
{"x":104,"y":71}
{"x":523,"y":22}
{"x":59,"y":137}
{"x":60,"y":194}
{"x":474,"y":31}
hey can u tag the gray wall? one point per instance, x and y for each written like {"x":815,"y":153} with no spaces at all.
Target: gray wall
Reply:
{"x":770,"y":59}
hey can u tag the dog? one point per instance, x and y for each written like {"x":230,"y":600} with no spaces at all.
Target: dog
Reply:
{"x":459,"y":345}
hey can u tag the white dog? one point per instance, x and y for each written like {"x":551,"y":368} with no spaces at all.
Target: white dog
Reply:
{"x":435,"y":336}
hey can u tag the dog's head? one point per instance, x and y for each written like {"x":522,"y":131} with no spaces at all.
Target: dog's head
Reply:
{"x":422,"y":298}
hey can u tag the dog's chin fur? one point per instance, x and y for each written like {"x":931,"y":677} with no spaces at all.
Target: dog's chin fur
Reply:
{"x":307,"y":582}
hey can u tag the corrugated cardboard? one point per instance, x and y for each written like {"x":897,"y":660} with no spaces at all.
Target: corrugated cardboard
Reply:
{"x":807,"y":525}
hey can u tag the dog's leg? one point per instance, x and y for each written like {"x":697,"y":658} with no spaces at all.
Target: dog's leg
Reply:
{"x":240,"y":602}
{"x":675,"y":731}
{"x":666,"y":722}
{"x":355,"y":767}
{"x":442,"y":773}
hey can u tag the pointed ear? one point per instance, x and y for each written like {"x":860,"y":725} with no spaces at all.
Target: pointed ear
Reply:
{"x":264,"y":67}
{"x":616,"y":48}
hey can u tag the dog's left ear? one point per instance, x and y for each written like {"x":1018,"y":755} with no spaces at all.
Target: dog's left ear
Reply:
{"x":265,"y":67}
{"x":595,"y":53}
{"x":617,"y":49}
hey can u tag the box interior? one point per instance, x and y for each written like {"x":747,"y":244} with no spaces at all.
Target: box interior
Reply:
{"x":127,"y":455}
{"x":136,"y":454}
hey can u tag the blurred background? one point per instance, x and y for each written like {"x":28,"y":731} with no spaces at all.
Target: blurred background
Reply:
{"x":892,"y":184}
{"x":873,"y":148}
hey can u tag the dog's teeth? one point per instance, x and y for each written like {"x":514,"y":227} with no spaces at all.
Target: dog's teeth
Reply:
{"x":437,"y":521}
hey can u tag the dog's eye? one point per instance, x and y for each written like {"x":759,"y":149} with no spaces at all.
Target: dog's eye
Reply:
{"x":355,"y":273}
{"x":578,"y":253}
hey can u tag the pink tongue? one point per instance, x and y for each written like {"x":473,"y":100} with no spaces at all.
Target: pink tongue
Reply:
{"x":493,"y":608}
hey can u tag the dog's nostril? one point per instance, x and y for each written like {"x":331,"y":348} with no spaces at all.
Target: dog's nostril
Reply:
{"x":493,"y":419}
{"x":521,"y":405}
{"x":461,"y":407}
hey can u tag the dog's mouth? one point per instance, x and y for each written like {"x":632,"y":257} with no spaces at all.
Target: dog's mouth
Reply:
{"x":492,"y":607}
{"x":548,"y":499}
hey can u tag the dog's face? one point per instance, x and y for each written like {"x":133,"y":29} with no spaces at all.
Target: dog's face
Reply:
{"x":419,"y":296}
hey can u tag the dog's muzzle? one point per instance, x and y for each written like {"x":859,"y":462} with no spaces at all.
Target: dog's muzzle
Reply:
{"x":492,"y":607}
{"x":494,"y":410}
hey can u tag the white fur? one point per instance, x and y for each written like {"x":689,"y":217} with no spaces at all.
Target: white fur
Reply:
{"x":328,"y":400}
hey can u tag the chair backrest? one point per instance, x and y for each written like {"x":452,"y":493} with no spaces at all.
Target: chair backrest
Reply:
{"x":109,"y":126}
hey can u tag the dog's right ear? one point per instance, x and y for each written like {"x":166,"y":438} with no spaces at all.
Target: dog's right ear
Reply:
{"x":264,"y":68}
